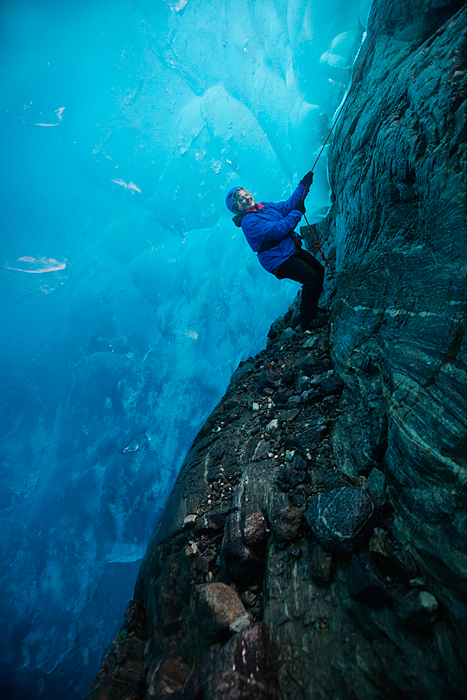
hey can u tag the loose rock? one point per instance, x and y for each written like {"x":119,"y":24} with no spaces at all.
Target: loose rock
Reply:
{"x":340,"y":519}
{"x":331,"y":385}
{"x":205,"y":564}
{"x":288,"y":334}
{"x":217,"y":606}
{"x":311,"y":342}
{"x":404,"y":565}
{"x":376,"y":483}
{"x":255,"y":532}
{"x":289,"y":478}
{"x":417,"y":609}
{"x":190,"y":521}
{"x":366,"y":583}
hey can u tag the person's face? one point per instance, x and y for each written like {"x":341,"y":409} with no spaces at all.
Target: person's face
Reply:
{"x":243,"y":199}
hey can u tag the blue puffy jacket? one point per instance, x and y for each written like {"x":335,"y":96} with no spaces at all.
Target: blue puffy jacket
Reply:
{"x":274,"y":221}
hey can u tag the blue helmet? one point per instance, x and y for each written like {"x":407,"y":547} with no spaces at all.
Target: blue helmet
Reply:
{"x":229,"y":200}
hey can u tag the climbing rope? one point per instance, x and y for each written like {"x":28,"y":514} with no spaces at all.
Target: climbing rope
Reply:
{"x":318,"y":240}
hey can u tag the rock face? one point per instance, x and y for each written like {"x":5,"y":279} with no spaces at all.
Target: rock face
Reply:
{"x":398,"y":222}
{"x":314,"y":544}
{"x":245,"y":669}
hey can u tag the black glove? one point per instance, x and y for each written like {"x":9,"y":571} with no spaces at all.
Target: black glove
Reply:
{"x":300,"y":206}
{"x":307,"y":179}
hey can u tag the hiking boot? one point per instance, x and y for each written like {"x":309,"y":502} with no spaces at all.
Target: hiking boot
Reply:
{"x":316,"y":322}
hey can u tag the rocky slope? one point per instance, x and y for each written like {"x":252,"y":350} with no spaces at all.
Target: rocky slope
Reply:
{"x":273,"y":574}
{"x":313,"y":545}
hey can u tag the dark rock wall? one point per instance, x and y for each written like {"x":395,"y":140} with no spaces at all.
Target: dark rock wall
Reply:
{"x":314,"y":544}
{"x":398,"y":172}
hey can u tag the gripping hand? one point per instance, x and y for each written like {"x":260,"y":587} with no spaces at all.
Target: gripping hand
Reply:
{"x":307,"y":179}
{"x":300,"y":206}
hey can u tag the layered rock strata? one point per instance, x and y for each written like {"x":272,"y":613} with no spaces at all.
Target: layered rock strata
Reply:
{"x":314,"y":545}
{"x":398,"y":223}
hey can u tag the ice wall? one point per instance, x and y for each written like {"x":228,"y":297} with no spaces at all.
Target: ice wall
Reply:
{"x":128,"y":295}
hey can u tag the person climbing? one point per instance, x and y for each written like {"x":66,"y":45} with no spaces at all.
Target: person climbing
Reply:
{"x":269,"y":230}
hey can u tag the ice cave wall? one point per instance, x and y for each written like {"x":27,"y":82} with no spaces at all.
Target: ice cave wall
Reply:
{"x":251,"y":585}
{"x":128,"y":297}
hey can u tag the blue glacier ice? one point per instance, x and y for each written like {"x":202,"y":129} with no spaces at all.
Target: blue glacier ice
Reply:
{"x":128,"y":297}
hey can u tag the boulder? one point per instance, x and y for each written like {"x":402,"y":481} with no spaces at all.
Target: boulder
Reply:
{"x":311,"y":397}
{"x":276,"y":328}
{"x":265,"y":381}
{"x":293,"y":402}
{"x":379,"y":543}
{"x":309,"y":436}
{"x":302,"y":383}
{"x":217,"y":607}
{"x":340,"y":519}
{"x":311,"y":342}
{"x":205,"y":563}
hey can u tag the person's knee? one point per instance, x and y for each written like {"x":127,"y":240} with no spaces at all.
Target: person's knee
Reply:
{"x":311,"y":280}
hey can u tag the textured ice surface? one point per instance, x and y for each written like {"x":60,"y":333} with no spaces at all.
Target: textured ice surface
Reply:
{"x":123,"y":125}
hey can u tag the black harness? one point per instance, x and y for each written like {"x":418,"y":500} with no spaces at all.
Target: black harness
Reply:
{"x":267,"y":245}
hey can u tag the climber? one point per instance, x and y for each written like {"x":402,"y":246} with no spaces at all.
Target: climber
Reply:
{"x":269,"y":230}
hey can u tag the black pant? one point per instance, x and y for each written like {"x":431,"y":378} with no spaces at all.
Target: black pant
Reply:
{"x":304,"y":268}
